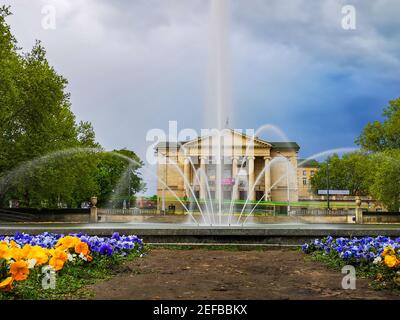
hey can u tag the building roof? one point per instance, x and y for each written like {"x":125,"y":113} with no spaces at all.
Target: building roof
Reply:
{"x":285,"y":145}
{"x":168,"y":144}
{"x":274,"y":145}
{"x":304,"y":163}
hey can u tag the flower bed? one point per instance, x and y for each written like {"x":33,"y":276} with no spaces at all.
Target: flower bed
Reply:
{"x":24,"y":256}
{"x":375,"y":257}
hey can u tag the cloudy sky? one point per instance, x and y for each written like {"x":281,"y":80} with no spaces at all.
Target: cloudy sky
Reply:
{"x":135,"y":65}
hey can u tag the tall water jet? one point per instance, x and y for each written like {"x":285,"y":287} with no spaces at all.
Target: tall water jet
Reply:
{"x":218,"y":95}
{"x":218,"y":87}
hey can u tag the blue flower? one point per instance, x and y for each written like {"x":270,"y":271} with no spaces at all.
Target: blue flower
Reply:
{"x":356,"y":249}
{"x":116,"y":236}
{"x":116,"y":244}
{"x":106,"y":249}
{"x":305,"y":247}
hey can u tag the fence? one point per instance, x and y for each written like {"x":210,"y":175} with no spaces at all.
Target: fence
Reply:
{"x":320,"y":212}
{"x":133,"y":211}
{"x":42,"y":214}
{"x":10,"y":215}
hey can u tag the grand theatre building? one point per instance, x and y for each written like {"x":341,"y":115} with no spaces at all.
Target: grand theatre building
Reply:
{"x":245,"y":167}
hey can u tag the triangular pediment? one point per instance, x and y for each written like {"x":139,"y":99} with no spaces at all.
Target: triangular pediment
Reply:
{"x":229,"y":136}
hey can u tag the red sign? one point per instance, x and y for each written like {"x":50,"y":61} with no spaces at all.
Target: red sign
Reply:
{"x":228,"y":182}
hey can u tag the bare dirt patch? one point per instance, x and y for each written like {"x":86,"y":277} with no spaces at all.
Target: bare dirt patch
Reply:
{"x":217,"y":274}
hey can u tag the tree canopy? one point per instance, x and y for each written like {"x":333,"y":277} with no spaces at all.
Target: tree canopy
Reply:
{"x":375,"y":170}
{"x":346,"y":173}
{"x":46,"y":157}
{"x":385,"y":184}
{"x":380,"y":136}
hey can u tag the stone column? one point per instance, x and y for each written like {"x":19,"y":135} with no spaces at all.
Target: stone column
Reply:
{"x":267,"y":179}
{"x":252,"y":192}
{"x":359,"y":216}
{"x":202,"y":177}
{"x":186,"y":173}
{"x":235,"y":190}
{"x":93,"y":210}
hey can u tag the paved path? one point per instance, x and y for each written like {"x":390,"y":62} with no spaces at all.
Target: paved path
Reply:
{"x":209,"y":274}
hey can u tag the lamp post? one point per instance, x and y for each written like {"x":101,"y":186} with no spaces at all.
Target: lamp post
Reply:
{"x":328,"y":185}
{"x":163,"y":190}
{"x":130,"y":173}
{"x":129,"y":188}
{"x":288,"y":185}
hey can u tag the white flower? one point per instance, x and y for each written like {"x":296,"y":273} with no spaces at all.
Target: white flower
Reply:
{"x":70,"y":257}
{"x":31,"y":263}
{"x":377,"y":260}
{"x":82,"y":257}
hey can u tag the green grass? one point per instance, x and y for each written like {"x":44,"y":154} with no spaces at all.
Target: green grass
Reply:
{"x":70,"y":281}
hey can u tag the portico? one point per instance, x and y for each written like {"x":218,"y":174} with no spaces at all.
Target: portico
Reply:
{"x":231,"y":166}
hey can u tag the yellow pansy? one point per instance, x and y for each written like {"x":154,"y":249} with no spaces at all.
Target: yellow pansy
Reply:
{"x":391,"y":261}
{"x":6,"y":284}
{"x":17,"y":253}
{"x":4,"y":251}
{"x":25,"y":251}
{"x":56,"y":264}
{"x":388,"y":251}
{"x":13,"y":244}
{"x":67,"y":242}
{"x":82,"y":247}
{"x":59,"y":257}
{"x":19,"y":270}
{"x":40,"y":254}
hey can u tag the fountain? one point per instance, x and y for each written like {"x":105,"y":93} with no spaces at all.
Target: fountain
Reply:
{"x":210,"y":203}
{"x":208,"y":210}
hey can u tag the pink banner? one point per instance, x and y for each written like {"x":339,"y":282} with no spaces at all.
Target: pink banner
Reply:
{"x":228,"y":182}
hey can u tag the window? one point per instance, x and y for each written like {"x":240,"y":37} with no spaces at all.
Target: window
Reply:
{"x":227,"y":195}
{"x":312,"y":173}
{"x":227,"y":172}
{"x":211,"y":170}
{"x":304,"y":182}
{"x":242,"y":195}
{"x":304,"y":172}
{"x":260,"y":195}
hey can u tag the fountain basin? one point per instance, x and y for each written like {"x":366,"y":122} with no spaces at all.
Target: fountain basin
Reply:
{"x":263,"y":234}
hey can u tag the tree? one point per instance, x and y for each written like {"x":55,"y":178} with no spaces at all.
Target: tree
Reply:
{"x":380,"y":136}
{"x":46,"y":158}
{"x":385,"y":186}
{"x":382,"y":141}
{"x":116,"y":174}
{"x":347,"y":173}
{"x":86,"y":135}
{"x":37,"y":121}
{"x":373,"y":171}
{"x":65,"y":180}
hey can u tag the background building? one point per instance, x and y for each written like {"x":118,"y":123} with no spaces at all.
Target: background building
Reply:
{"x":249,"y":168}
{"x":305,"y":171}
